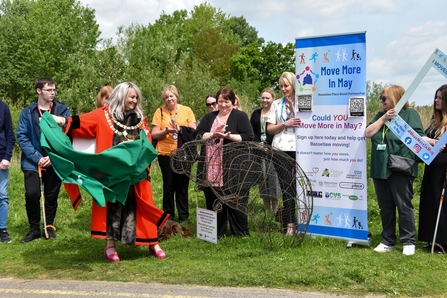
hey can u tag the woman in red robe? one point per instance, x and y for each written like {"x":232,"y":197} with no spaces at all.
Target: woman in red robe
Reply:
{"x":136,"y":221}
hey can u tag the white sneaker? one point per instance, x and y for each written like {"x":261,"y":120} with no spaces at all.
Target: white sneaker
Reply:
{"x":384,"y":248}
{"x":408,"y":250}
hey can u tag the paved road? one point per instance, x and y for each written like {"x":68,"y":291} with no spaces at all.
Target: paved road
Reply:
{"x":14,"y":288}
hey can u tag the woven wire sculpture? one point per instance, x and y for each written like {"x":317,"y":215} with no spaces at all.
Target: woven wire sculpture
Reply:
{"x":264,"y":183}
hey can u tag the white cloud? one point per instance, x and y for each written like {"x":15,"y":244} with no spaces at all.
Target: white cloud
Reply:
{"x":401,"y":34}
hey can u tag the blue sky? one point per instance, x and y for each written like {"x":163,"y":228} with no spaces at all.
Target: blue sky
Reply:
{"x":400,"y":34}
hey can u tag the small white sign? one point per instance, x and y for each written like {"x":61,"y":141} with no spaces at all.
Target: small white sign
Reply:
{"x":207,"y":225}
{"x":84,"y":145}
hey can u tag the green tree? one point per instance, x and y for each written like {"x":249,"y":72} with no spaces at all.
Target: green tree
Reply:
{"x":240,"y":28}
{"x":55,"y":38}
{"x":373,"y":105}
{"x":210,"y":48}
{"x":276,"y":59}
{"x":12,"y":30}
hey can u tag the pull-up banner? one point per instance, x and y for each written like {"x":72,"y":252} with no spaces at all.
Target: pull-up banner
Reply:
{"x":331,"y":144}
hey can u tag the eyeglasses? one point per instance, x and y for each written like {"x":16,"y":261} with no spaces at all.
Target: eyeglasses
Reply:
{"x":383,"y":98}
{"x":50,"y":90}
{"x":210,"y":104}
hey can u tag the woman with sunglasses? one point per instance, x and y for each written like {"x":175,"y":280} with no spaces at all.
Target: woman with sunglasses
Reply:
{"x":394,"y":189}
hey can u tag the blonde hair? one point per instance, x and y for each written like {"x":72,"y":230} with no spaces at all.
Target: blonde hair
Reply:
{"x":269,"y":90}
{"x":118,"y":98}
{"x":395,"y":93}
{"x":169,"y":88}
{"x":288,"y":77}
{"x":237,"y":103}
{"x":104,"y":92}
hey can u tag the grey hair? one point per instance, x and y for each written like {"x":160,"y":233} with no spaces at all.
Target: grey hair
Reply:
{"x":118,"y":98}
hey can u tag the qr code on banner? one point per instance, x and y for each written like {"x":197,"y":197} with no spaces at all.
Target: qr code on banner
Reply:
{"x":357,"y":107}
{"x":305,"y":103}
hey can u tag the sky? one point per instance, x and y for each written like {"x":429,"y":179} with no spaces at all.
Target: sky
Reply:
{"x":400,"y":34}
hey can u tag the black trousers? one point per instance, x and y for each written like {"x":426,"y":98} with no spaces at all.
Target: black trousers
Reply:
{"x":287,"y":180}
{"x":175,"y":188}
{"x":237,"y":219}
{"x":51,"y":185}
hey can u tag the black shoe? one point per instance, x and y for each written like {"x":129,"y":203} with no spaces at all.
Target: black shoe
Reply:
{"x":32,"y":234}
{"x":4,"y":236}
{"x":51,"y":234}
{"x":427,"y":246}
{"x":439,"y":249}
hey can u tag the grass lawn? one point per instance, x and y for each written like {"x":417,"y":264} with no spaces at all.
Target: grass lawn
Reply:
{"x":319,"y":264}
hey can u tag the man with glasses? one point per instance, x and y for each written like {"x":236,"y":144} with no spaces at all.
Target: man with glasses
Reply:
{"x":33,"y":159}
{"x":211,"y":104}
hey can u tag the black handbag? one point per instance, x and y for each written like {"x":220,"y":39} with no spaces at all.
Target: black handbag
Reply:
{"x":401,"y":164}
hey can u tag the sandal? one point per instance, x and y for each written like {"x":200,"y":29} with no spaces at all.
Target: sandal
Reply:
{"x":160,"y":254}
{"x":113,"y":257}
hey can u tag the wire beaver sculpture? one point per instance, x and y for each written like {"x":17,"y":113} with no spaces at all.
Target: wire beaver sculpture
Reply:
{"x":251,"y":172}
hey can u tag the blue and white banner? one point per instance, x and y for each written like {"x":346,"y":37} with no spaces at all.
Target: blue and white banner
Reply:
{"x":331,"y":143}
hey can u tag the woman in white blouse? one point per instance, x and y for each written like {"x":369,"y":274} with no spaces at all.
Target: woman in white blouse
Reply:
{"x":282,"y":124}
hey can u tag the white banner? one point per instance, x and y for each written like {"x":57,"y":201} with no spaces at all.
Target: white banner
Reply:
{"x":331,"y":143}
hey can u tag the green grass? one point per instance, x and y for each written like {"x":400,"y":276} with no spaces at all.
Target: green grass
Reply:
{"x":319,"y":264}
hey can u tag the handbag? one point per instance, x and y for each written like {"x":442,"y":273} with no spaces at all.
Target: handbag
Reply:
{"x":401,"y":164}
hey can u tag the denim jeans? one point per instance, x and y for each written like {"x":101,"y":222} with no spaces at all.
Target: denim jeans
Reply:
{"x":3,"y":198}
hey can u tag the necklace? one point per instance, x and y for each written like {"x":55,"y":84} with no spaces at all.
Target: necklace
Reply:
{"x":124,"y":127}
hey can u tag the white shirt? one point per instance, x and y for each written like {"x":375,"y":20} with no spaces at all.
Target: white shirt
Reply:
{"x":284,"y":140}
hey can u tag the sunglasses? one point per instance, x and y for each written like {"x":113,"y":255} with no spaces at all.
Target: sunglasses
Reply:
{"x":383,"y":98}
{"x":210,"y":104}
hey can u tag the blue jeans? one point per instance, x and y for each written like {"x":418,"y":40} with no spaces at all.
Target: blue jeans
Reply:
{"x":3,"y":198}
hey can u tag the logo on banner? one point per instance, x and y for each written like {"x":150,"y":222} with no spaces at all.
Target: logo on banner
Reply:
{"x":330,"y":184}
{"x":307,"y":79}
{"x":357,"y":175}
{"x":417,"y":148}
{"x":315,"y":193}
{"x":351,"y":185}
{"x":333,"y":195}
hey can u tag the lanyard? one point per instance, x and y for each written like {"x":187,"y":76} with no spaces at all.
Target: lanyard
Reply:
{"x":263,"y":122}
{"x":282,"y":110}
{"x":40,"y":112}
{"x":384,"y":131}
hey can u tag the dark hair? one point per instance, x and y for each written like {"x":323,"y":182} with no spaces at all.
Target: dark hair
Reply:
{"x":438,"y":123}
{"x":40,"y":82}
{"x":227,"y":94}
{"x":208,"y":96}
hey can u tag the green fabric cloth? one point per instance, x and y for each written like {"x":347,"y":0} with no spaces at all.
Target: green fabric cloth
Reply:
{"x":379,"y":158}
{"x":106,"y":176}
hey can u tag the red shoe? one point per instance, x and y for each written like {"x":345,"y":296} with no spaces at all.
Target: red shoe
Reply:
{"x":160,"y":254}
{"x":113,"y":257}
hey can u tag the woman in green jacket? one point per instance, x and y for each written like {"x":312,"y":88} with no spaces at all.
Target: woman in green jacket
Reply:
{"x":393,"y":189}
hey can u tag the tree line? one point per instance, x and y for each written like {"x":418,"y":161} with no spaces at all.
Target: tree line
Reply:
{"x":198,"y":51}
